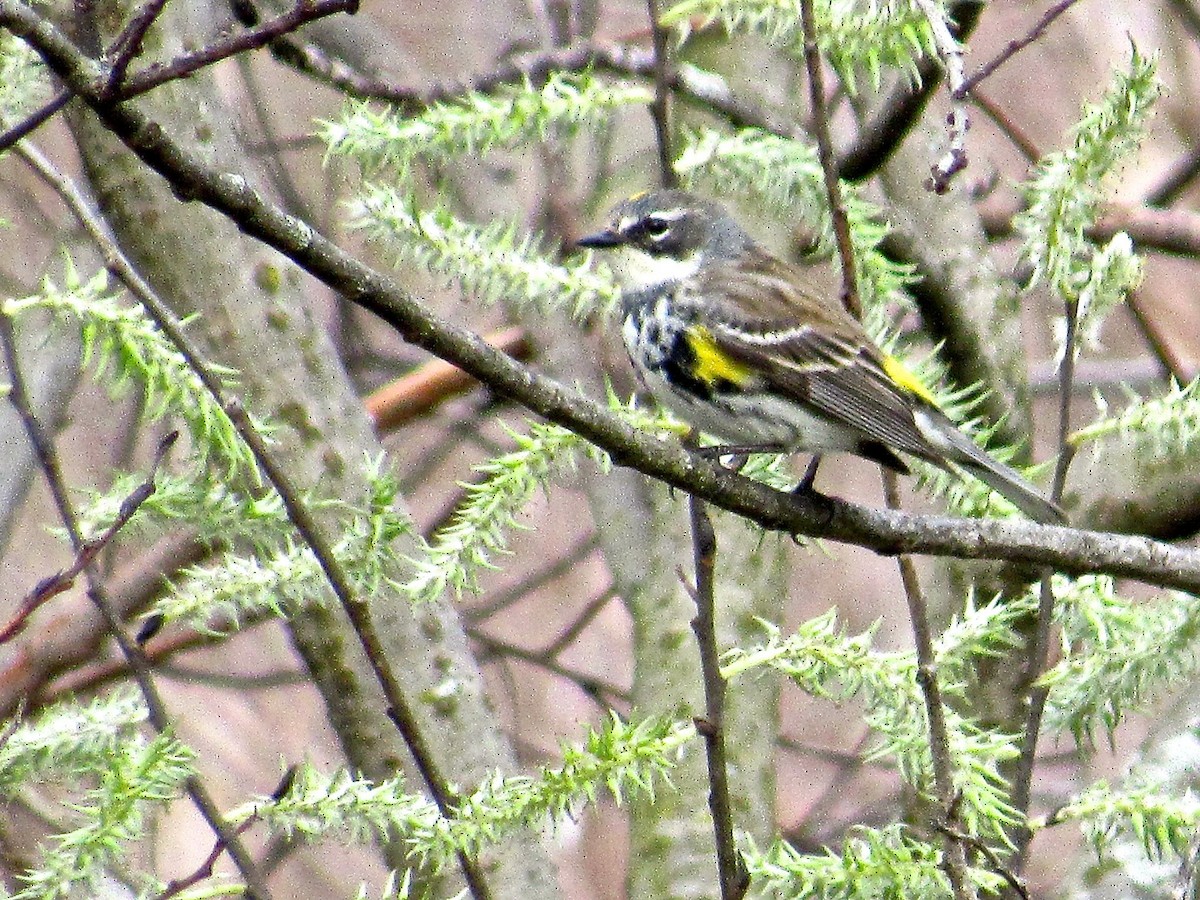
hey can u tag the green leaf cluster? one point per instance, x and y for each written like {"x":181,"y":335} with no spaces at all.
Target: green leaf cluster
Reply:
{"x":491,"y":263}
{"x":1165,"y":426}
{"x":279,"y":576}
{"x":495,"y":261}
{"x":856,"y":38}
{"x":621,"y":758}
{"x":67,"y":739}
{"x":480,"y":527}
{"x":129,"y":352}
{"x":1118,"y":655}
{"x":872,"y":863}
{"x":477,"y":123}
{"x":1163,"y":824}
{"x":824,"y":661}
{"x":134,"y":775}
{"x":1064,"y":196}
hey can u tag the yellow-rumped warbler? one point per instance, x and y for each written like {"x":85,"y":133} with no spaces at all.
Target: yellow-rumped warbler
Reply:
{"x":739,"y":344}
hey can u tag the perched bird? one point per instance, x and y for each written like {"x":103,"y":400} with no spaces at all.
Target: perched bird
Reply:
{"x":740,"y":345}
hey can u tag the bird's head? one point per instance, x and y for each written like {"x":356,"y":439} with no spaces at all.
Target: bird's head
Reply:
{"x":663,"y":237}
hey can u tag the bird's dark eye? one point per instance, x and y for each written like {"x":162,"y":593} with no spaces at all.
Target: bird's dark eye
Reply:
{"x":656,"y":227}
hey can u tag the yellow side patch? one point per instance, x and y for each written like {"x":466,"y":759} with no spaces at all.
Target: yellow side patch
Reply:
{"x":634,"y":198}
{"x":906,"y":380}
{"x":712,"y":363}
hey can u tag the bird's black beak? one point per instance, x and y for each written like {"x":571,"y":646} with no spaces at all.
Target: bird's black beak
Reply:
{"x":600,"y":240}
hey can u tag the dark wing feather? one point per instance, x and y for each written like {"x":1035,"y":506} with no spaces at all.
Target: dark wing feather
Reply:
{"x":814,"y":353}
{"x":859,"y":395}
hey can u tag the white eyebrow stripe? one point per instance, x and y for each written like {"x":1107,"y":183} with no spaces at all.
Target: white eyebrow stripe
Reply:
{"x":667,"y":215}
{"x":671,"y":215}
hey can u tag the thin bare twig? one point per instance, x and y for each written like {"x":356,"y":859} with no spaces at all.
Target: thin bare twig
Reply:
{"x":33,"y":120}
{"x":128,"y":44}
{"x":1039,"y":652}
{"x":586,"y":616}
{"x":399,"y":709}
{"x":205,"y":870}
{"x":1016,"y":46}
{"x":1179,"y":176}
{"x":1007,"y":126}
{"x":55,"y":584}
{"x":116,"y":88}
{"x":731,"y":871}
{"x":954,"y":860}
{"x":186,"y":64}
{"x":591,"y":685}
{"x":690,"y":83}
{"x":531,"y":582}
{"x":660,"y":107}
{"x":998,"y":866}
{"x":1159,"y":334}
{"x":833,"y":187}
{"x":848,"y":765}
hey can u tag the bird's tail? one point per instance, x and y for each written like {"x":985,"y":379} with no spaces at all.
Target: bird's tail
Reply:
{"x":963,"y":452}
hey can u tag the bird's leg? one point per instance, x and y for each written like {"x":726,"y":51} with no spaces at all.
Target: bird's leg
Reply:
{"x":810,"y":475}
{"x":739,"y":453}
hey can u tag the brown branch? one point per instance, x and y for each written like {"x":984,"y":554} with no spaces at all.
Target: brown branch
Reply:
{"x":1179,"y":176}
{"x":413,"y":395}
{"x":186,"y":64}
{"x":113,"y":86}
{"x":595,"y":687}
{"x":205,"y":870}
{"x":128,"y":44}
{"x":157,"y":650}
{"x":358,"y":611}
{"x":64,"y":579}
{"x":1007,"y":126}
{"x":27,"y":125}
{"x":1039,"y":651}
{"x":553,"y":570}
{"x":73,"y":635}
{"x":585,"y":618}
{"x":1173,"y":231}
{"x":1011,"y":879}
{"x":690,"y":83}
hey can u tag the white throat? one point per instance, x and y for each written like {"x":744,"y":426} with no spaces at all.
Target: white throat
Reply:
{"x":638,"y":271}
